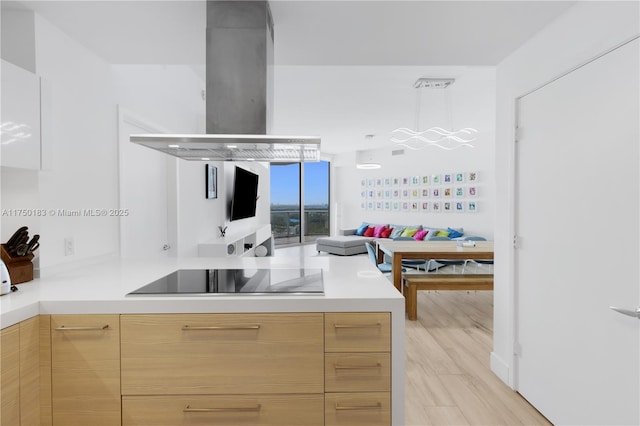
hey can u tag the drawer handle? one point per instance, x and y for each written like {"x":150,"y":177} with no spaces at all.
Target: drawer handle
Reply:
{"x":375,"y":406}
{"x":251,"y":409}
{"x":222,"y":327}
{"x":376,"y":325}
{"x":63,"y":328}
{"x":356,"y":367}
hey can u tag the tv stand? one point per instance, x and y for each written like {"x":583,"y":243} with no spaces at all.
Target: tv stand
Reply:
{"x":238,"y":244}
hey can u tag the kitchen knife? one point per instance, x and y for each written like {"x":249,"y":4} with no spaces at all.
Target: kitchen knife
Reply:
{"x":32,"y":249}
{"x":15,"y":236}
{"x":22,"y":240}
{"x":33,"y":244}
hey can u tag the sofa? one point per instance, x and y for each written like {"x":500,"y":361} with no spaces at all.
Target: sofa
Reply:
{"x":351,"y":241}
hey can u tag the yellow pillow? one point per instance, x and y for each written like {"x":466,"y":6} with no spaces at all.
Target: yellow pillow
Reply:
{"x":442,"y":234}
{"x":408,"y":232}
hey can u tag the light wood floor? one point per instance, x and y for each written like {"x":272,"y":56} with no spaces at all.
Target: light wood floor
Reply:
{"x":448,"y":379}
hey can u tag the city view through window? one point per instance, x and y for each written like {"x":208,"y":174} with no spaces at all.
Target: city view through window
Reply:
{"x":292,"y":221}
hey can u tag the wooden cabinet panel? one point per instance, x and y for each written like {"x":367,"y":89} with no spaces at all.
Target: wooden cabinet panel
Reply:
{"x":85,"y":356}
{"x":357,"y":332}
{"x":357,"y":409}
{"x":222,"y":354}
{"x":10,"y":375}
{"x":30,"y":372}
{"x":259,"y":410}
{"x":355,"y":372}
{"x":45,"y":370}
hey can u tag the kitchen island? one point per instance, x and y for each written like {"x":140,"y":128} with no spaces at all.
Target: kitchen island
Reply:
{"x":348,"y":335}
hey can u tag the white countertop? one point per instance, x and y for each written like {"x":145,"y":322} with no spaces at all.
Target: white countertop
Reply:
{"x":350,"y":284}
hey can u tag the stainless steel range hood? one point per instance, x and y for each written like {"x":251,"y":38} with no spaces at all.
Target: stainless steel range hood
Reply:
{"x":239,"y":86}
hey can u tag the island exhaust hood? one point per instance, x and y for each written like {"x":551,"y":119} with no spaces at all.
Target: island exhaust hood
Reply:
{"x":239,"y":86}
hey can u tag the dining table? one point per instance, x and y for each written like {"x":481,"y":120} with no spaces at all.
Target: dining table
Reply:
{"x":457,"y":250}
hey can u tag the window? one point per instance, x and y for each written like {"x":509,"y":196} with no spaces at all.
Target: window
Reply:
{"x":299,"y":201}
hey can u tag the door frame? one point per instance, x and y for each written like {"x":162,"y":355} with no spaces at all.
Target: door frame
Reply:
{"x":515,"y":317}
{"x":127,"y":116}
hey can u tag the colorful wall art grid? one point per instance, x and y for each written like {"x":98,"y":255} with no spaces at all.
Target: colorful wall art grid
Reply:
{"x":446,"y":192}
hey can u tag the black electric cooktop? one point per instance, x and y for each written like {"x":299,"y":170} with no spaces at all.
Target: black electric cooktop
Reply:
{"x":207,"y":282}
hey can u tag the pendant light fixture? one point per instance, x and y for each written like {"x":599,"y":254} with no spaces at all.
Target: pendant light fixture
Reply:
{"x":366,"y":159}
{"x":433,"y":136}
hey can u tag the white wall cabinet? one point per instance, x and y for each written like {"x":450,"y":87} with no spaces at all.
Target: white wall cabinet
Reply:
{"x":20,"y":120}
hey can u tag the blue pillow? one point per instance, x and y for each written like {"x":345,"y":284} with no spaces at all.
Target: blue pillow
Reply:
{"x":360,"y":231}
{"x":396,"y":232}
{"x":453,"y":233}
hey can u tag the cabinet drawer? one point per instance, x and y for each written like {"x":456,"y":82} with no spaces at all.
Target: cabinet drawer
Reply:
{"x":222,"y":354}
{"x":85,"y":369}
{"x":176,"y":410}
{"x":357,"y":372}
{"x":357,"y":332}
{"x":357,"y":409}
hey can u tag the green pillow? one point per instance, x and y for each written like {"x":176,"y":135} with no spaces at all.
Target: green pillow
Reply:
{"x":442,"y":234}
{"x":408,"y":232}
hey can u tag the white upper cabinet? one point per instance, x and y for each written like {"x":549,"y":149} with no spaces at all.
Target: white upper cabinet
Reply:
{"x":20,"y":118}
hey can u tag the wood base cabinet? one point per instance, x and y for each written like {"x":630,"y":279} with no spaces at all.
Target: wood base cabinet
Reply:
{"x":357,"y":369}
{"x":258,"y":369}
{"x":222,"y":354}
{"x":20,"y":374}
{"x":85,"y":370}
{"x":358,"y":409}
{"x":249,"y":410}
{"x":10,"y":375}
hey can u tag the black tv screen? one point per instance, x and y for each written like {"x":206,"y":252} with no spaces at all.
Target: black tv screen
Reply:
{"x":245,"y":194}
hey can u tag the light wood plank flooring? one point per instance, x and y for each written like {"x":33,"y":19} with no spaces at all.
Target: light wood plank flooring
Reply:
{"x":448,"y":379}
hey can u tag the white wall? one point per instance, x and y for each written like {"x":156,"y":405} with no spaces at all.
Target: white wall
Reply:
{"x":582,"y":33}
{"x":473,"y":105}
{"x":170,"y":96}
{"x":83,"y":172}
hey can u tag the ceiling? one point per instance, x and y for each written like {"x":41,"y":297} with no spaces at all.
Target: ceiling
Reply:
{"x":348,"y":32}
{"x":380,"y":35}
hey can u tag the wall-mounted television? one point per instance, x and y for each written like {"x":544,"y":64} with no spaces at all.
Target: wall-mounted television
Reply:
{"x":245,"y":194}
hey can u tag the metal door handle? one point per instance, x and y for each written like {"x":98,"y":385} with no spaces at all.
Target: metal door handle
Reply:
{"x":628,"y":312}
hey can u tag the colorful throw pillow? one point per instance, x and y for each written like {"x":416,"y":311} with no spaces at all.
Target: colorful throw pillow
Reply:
{"x":369,"y":231}
{"x":361,"y":229}
{"x":386,"y":232}
{"x":409,"y":232}
{"x":397,"y":232}
{"x":419,"y":236}
{"x":442,"y":233}
{"x":377,"y":231}
{"x":454,"y":233}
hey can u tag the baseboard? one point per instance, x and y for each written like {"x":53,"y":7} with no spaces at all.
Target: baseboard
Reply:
{"x":500,"y":368}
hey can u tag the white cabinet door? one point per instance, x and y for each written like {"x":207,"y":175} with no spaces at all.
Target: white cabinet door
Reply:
{"x":20,"y":117}
{"x":577,"y":215}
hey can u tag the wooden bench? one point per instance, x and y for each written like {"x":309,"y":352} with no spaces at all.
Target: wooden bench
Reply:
{"x":415,"y":282}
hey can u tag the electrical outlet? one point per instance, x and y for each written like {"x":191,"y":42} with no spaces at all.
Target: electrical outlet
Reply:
{"x":69,"y":247}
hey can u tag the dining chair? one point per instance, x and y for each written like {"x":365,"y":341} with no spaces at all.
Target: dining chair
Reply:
{"x":438,"y":263}
{"x":384,"y":267}
{"x":413,"y":263}
{"x":477,"y":262}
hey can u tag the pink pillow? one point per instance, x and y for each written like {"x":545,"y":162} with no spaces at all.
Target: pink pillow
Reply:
{"x":377,"y":231}
{"x":420,"y":234}
{"x":369,"y":232}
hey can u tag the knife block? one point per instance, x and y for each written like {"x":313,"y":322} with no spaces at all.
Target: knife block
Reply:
{"x":20,"y":267}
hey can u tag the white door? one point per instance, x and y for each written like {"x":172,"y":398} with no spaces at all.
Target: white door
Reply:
{"x":577,"y":216}
{"x":143,"y":194}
